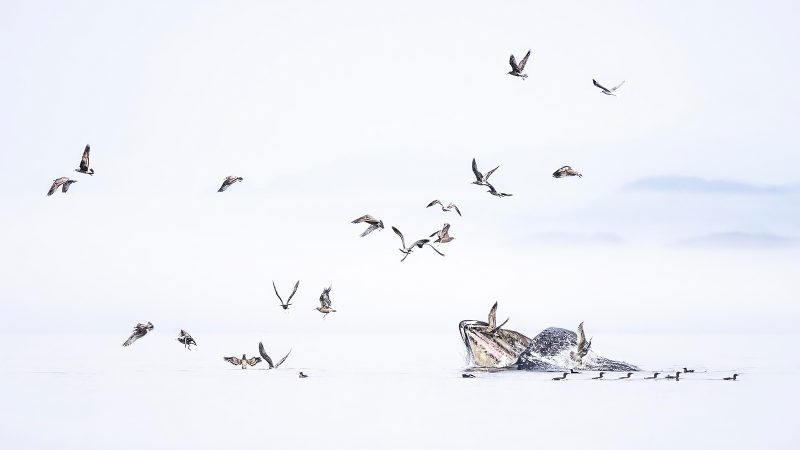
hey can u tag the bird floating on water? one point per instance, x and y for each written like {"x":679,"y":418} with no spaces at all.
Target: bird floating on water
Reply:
{"x":243,"y":361}
{"x":447,"y":208}
{"x":374,"y":224}
{"x":286,"y":305}
{"x":675,"y":377}
{"x":628,"y":375}
{"x":84,"y":165}
{"x":229,"y":181}
{"x":186,"y":339}
{"x":481,"y":179}
{"x":268,"y":359}
{"x":685,"y":370}
{"x":138,"y":331}
{"x":467,"y":375}
{"x":566,"y":171}
{"x":325,"y":302}
{"x":64,"y":182}
{"x":655,"y":375}
{"x":419,"y":244}
{"x":733,"y":378}
{"x":562,"y":377}
{"x":442,"y":235}
{"x":583,"y":346}
{"x":517,"y":68}
{"x":599,"y":377}
{"x":302,"y":375}
{"x":606,"y":91}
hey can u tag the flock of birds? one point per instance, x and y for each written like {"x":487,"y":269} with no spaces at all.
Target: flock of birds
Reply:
{"x":442,"y":237}
{"x":629,"y":375}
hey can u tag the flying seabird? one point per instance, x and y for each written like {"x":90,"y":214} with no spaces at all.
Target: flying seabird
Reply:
{"x":516,"y":69}
{"x":84,"y":166}
{"x":599,"y":377}
{"x":675,"y":377}
{"x":685,"y":370}
{"x":467,"y":375}
{"x":420,"y":243}
{"x":243,"y":361}
{"x":374,"y":224}
{"x":481,"y":179}
{"x":626,"y":376}
{"x":286,"y":305}
{"x":442,"y":235}
{"x":494,"y":192}
{"x":302,"y":375}
{"x":583,"y":346}
{"x":566,"y":171}
{"x":562,"y":377}
{"x":733,"y":378}
{"x":492,"y":326}
{"x":229,"y":181}
{"x":186,"y":339}
{"x":138,"y":331}
{"x":325,"y":302}
{"x":447,"y":208}
{"x":268,"y":359}
{"x":64,"y":182}
{"x":655,"y":375}
{"x":607,"y":91}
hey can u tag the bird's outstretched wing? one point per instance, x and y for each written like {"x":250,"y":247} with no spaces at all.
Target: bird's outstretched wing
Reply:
{"x":233,"y":360}
{"x":278,"y":364}
{"x":276,"y":292}
{"x":84,"y":167}
{"x":136,"y":335}
{"x":365,"y":218}
{"x":65,"y":186}
{"x":56,"y":183}
{"x":296,"y":285}
{"x":477,"y":173}
{"x":599,"y":85}
{"x":489,"y":173}
{"x":434,"y":248}
{"x":433,"y":203}
{"x":617,"y":86}
{"x":453,"y":205}
{"x":402,"y":239}
{"x":524,"y":61}
{"x":253,"y":361}
{"x":513,"y":62}
{"x":264,"y":355}
{"x":369,"y":230}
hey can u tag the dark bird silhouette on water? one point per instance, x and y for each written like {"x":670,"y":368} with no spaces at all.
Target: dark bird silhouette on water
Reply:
{"x":186,"y":339}
{"x":374,"y":224}
{"x":418,"y":244}
{"x":733,"y":378}
{"x":685,"y":370}
{"x":84,"y":165}
{"x":467,"y":375}
{"x":229,"y":181}
{"x":302,"y":375}
{"x":286,"y":305}
{"x":562,"y":377}
{"x":64,"y":182}
{"x":628,"y":375}
{"x":138,"y":331}
{"x":599,"y":377}
{"x":655,"y":375}
{"x":268,"y":359}
{"x":675,"y":377}
{"x":517,"y":68}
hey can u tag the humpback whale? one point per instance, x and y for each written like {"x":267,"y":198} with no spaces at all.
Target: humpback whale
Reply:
{"x":492,"y":347}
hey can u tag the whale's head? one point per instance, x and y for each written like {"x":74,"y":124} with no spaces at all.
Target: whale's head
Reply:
{"x":489,"y":345}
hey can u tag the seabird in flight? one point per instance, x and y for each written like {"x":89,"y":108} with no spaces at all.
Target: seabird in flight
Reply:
{"x":447,"y":208}
{"x":64,"y":182}
{"x":481,"y":179}
{"x":606,"y":91}
{"x":516,"y":69}
{"x":84,"y":166}
{"x":268,"y":359}
{"x":374,"y":224}
{"x":138,"y":331}
{"x":229,"y":181}
{"x":419,"y":244}
{"x":566,"y":171}
{"x":325,"y":302}
{"x":442,"y":235}
{"x":243,"y":361}
{"x":186,"y":339}
{"x":286,"y":305}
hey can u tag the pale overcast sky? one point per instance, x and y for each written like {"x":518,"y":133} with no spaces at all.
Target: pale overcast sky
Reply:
{"x":686,"y":217}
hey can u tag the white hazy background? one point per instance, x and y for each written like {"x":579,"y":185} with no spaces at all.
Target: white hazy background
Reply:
{"x":686,"y":219}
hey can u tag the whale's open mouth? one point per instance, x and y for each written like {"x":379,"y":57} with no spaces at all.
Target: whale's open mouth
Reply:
{"x":489,"y":346}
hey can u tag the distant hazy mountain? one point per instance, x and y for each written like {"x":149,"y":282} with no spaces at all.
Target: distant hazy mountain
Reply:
{"x":694,"y":184}
{"x":738,"y":240}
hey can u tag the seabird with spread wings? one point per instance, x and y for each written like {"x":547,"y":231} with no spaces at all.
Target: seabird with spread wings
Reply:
{"x":243,"y":361}
{"x":566,"y":171}
{"x":325,"y":302}
{"x":138,"y":331}
{"x":64,"y":182}
{"x":481,"y":180}
{"x":517,"y":68}
{"x":374,"y":224}
{"x":442,"y":236}
{"x":186,"y":339}
{"x":583,"y":346}
{"x":447,"y":208}
{"x":84,"y":166}
{"x":268,"y":359}
{"x":605,"y":90}
{"x":229,"y":181}
{"x":419,"y":244}
{"x":286,"y":305}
